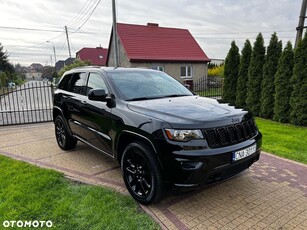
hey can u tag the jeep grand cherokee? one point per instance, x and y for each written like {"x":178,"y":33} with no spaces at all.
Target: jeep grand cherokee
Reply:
{"x":161,"y":133}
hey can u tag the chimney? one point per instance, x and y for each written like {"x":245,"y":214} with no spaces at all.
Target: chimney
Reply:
{"x":149,"y":24}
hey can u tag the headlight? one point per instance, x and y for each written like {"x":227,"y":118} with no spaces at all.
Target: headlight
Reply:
{"x":183,"y":135}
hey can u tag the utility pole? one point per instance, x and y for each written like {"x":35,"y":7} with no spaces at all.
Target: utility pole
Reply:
{"x":67,"y":41}
{"x":53,"y":51}
{"x":301,"y":22}
{"x":116,"y":58}
{"x":54,"y":55}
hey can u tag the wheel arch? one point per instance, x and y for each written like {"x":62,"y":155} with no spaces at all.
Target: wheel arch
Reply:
{"x":55,"y":112}
{"x":58,"y":111}
{"x":126,"y":137}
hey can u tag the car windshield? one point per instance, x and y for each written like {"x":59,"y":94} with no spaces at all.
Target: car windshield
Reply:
{"x":145,"y":85}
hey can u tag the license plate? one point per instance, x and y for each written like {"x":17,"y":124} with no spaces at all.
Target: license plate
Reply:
{"x":238,"y":155}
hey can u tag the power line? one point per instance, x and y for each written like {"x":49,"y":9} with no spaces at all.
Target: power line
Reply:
{"x":83,"y":14}
{"x":87,"y":17}
{"x":31,"y":29}
{"x":79,"y":13}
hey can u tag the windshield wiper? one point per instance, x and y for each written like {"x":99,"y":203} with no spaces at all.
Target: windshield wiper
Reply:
{"x":140,"y":98}
{"x":176,"y":95}
{"x":150,"y":98}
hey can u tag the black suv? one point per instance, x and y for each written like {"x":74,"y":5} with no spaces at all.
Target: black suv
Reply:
{"x":161,"y":134}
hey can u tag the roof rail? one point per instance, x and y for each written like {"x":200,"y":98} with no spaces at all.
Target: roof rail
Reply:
{"x":87,"y":66}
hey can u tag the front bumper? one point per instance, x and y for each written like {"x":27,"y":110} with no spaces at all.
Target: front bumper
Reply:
{"x":193,"y":168}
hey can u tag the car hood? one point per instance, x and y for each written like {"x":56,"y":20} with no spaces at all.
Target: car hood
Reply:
{"x":189,"y":111}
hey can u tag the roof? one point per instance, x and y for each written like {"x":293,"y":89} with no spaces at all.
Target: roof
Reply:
{"x":154,"y":43}
{"x":98,"y":56}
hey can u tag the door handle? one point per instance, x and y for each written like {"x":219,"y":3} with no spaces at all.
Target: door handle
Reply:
{"x":83,"y":102}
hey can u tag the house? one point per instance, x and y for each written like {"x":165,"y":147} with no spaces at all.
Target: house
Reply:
{"x":171,"y":50}
{"x":34,"y":72}
{"x":37,"y":66}
{"x":98,"y":56}
{"x":61,"y":63}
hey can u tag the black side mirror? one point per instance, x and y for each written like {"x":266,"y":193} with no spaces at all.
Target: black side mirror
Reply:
{"x":101,"y":95}
{"x":97,"y":95}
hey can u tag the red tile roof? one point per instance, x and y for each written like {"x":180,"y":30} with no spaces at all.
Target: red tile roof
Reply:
{"x":154,"y":43}
{"x":98,"y":56}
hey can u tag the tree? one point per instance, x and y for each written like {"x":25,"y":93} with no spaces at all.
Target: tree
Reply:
{"x":283,"y":86}
{"x":5,"y":66}
{"x":3,"y":79}
{"x":75,"y":64}
{"x":274,"y":51}
{"x":298,"y":100}
{"x":231,"y":70}
{"x":255,"y":76}
{"x":243,"y":74}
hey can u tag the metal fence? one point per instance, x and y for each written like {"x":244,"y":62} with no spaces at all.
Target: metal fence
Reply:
{"x":32,"y":102}
{"x":207,"y":87}
{"x":29,"y":103}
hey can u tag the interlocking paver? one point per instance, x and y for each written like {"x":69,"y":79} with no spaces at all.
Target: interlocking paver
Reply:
{"x":272,"y":194}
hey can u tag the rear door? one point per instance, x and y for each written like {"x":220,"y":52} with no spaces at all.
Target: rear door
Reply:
{"x":74,"y":101}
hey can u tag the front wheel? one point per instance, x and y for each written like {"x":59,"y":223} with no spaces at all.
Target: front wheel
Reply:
{"x":64,"y":139}
{"x":141,"y":173}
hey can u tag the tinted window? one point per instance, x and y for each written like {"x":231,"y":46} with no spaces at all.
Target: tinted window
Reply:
{"x":64,"y":84}
{"x":134,"y":85}
{"x":96,"y":81}
{"x":78,"y":83}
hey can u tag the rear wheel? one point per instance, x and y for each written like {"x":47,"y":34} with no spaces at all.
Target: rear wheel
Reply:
{"x":141,"y":172}
{"x":64,"y":139}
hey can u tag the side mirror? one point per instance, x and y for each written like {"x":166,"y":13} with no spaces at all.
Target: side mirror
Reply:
{"x":97,"y":95}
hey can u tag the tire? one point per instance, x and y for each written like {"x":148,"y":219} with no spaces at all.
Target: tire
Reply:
{"x":141,"y":172}
{"x":64,"y":139}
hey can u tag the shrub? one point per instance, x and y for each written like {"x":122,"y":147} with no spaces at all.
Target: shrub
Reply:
{"x":255,"y":76}
{"x":267,"y":85}
{"x":75,"y":64}
{"x":243,"y":74}
{"x":231,"y":74}
{"x":298,"y":100}
{"x":283,"y":86}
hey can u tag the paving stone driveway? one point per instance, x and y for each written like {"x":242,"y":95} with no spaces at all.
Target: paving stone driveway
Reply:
{"x":272,"y":194}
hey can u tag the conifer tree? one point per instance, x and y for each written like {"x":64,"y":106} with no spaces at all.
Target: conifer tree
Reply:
{"x":283,"y":86}
{"x":298,"y":100}
{"x":255,"y":76}
{"x":231,"y":74}
{"x":5,"y":65}
{"x":269,"y":70}
{"x":243,"y":74}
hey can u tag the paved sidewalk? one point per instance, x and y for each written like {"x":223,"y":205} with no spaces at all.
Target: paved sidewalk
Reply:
{"x":272,"y":194}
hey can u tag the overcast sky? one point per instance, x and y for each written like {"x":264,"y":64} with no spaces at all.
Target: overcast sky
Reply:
{"x":213,"y":23}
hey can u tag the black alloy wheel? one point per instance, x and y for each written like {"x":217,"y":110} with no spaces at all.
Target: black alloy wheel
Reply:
{"x":64,"y":140}
{"x":141,"y":173}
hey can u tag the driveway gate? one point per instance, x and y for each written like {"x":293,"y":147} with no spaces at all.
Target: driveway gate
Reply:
{"x":29,"y":103}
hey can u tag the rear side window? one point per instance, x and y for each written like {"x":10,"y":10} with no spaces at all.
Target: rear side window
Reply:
{"x":78,"y":83}
{"x":64,"y":83}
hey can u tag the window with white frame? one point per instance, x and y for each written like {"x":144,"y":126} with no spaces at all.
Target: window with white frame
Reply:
{"x":186,"y":71}
{"x":158,"y":67}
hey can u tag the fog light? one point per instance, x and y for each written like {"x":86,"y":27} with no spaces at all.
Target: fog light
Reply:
{"x":191,"y":165}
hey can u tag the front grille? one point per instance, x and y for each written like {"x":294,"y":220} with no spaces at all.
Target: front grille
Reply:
{"x":231,"y":134}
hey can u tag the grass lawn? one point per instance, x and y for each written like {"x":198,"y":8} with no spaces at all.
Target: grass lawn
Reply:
{"x":284,"y":140}
{"x":31,"y":193}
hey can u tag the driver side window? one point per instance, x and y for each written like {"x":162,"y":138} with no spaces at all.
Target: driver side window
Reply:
{"x":95,"y":81}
